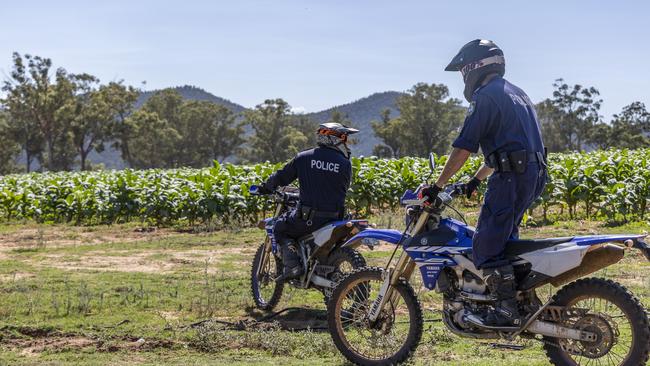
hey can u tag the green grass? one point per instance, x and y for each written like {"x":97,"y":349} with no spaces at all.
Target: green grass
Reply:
{"x":81,"y":295}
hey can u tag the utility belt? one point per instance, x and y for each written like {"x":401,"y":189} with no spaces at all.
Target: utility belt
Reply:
{"x":515,"y":161}
{"x":308,"y":214}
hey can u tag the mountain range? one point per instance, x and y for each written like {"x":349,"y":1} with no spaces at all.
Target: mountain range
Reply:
{"x":360,"y":112}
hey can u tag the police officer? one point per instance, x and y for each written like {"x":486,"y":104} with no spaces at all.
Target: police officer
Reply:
{"x":501,"y":120}
{"x":324,"y":175}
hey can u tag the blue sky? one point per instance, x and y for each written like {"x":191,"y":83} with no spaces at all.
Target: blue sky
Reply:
{"x":316,"y":54}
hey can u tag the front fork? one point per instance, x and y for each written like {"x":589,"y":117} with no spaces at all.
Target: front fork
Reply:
{"x":403,"y":270}
{"x":266,"y":253}
{"x":268,"y":243}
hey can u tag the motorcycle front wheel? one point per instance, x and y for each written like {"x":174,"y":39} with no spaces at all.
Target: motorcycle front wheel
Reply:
{"x":389,"y":340}
{"x":266,"y":268}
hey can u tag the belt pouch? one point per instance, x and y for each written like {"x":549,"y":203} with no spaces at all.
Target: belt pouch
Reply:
{"x":519,"y":161}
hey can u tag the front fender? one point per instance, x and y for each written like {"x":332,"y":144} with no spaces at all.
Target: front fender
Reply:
{"x":373,"y":237}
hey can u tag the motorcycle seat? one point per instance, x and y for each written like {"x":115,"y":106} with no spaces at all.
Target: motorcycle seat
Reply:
{"x":332,"y":229}
{"x":517,"y":247}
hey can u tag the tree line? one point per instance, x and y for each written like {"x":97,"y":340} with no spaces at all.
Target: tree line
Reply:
{"x":570,"y":121}
{"x":57,"y":119}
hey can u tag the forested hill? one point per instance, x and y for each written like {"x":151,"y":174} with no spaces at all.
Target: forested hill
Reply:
{"x":193,"y":93}
{"x":361,"y":113}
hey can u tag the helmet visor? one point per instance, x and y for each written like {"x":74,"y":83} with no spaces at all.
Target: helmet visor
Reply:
{"x":329,"y":132}
{"x":465,"y":70}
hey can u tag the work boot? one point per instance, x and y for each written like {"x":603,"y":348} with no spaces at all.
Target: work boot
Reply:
{"x":503,"y":288}
{"x":291,"y":260}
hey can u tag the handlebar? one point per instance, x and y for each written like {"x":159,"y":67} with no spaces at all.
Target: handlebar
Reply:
{"x":445,"y":196}
{"x":285,"y":194}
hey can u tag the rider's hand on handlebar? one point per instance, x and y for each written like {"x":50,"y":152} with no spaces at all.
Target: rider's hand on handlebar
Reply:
{"x":261,"y":189}
{"x":430,"y":192}
{"x":470,"y":187}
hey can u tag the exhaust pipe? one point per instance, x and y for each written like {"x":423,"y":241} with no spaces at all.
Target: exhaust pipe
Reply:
{"x":594,"y":260}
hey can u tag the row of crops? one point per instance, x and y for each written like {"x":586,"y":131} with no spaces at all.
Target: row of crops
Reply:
{"x":612,"y":185}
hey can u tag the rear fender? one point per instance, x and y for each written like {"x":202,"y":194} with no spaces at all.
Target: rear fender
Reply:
{"x":643,"y":247}
{"x":599,"y":239}
{"x":373,"y":237}
{"x":636,"y":241}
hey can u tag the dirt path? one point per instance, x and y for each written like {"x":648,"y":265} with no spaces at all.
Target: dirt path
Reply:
{"x":54,"y":236}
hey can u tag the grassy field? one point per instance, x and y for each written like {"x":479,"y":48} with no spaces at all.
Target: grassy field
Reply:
{"x":129,"y":295}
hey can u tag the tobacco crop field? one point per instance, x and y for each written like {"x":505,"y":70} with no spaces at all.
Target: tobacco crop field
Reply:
{"x":153,"y":267}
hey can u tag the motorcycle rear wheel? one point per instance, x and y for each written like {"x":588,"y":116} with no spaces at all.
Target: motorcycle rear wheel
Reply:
{"x":614,"y":314}
{"x":345,"y":260}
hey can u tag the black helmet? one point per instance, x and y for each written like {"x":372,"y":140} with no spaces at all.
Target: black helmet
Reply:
{"x":476,"y":60}
{"x":335,"y":135}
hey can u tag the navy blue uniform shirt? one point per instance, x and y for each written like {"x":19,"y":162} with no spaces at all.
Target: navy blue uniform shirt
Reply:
{"x":500,"y":118}
{"x":324,"y":175}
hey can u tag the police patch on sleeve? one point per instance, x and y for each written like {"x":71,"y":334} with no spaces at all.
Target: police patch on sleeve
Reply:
{"x":471,"y":108}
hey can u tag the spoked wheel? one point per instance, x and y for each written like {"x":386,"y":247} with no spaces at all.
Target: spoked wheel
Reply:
{"x":613,"y":314}
{"x":389,"y":340}
{"x":266,"y":268}
{"x":344,"y":260}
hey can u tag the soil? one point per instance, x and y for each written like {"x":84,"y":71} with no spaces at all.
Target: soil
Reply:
{"x":145,"y":262}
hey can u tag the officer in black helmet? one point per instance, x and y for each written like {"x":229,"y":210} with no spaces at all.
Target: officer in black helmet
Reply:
{"x":501,"y":120}
{"x":324,"y":175}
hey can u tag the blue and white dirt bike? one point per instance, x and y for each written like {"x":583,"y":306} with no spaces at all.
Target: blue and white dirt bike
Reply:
{"x":326,"y":254}
{"x":375,"y":317}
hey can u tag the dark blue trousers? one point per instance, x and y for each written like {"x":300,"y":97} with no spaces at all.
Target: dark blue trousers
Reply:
{"x":508,"y":197}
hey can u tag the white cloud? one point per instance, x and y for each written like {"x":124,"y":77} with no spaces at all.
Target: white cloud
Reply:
{"x":298,"y":110}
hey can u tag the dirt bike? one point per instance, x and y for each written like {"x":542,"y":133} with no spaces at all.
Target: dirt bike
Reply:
{"x":326,"y":254}
{"x":375,"y":318}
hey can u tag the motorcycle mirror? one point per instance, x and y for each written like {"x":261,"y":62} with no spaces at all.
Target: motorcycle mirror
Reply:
{"x":432,"y":162}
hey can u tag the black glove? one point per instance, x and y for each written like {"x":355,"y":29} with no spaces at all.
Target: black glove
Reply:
{"x":262,"y":189}
{"x":431,"y":192}
{"x":470,"y":187}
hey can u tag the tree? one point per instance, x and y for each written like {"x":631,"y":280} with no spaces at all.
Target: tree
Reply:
{"x":86,"y":117}
{"x":428,"y":119}
{"x":120,"y":100}
{"x":391,"y":132}
{"x":228,"y":135}
{"x":26,"y":134}
{"x":96,"y":114}
{"x":193,"y":133}
{"x":337,"y":117}
{"x":22,"y":127}
{"x":274,"y":137}
{"x":549,"y":116}
{"x":577,"y":108}
{"x":308,"y":128}
{"x":153,"y":141}
{"x":208,"y":132}
{"x":34,"y":97}
{"x":382,"y":151}
{"x":9,"y":148}
{"x":600,"y":136}
{"x":631,"y":127}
